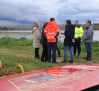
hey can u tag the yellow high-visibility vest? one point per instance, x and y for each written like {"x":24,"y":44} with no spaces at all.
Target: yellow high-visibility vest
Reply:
{"x":78,"y":32}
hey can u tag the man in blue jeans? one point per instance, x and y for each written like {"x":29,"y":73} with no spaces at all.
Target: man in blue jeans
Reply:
{"x":69,"y":40}
{"x":88,"y":39}
{"x":66,"y":52}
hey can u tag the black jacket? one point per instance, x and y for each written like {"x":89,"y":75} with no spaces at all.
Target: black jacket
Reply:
{"x":69,"y":35}
{"x":43,"y":38}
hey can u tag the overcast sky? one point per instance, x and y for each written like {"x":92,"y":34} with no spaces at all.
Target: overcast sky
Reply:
{"x":25,"y":12}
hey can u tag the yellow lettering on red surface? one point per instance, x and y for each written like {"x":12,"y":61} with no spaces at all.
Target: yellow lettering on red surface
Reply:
{"x":50,"y":83}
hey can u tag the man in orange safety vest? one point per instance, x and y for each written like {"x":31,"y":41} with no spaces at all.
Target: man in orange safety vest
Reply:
{"x":52,"y":31}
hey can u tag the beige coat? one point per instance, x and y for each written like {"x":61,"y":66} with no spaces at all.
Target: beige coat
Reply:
{"x":36,"y":38}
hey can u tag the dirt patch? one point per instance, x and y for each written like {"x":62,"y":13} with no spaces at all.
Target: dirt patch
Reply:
{"x":8,"y":72}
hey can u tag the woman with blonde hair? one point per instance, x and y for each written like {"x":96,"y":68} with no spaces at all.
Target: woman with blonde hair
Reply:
{"x":36,"y":39}
{"x":43,"y":41}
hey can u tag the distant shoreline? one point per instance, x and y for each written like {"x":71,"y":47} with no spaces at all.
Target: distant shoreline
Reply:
{"x":29,"y":28}
{"x":3,"y":31}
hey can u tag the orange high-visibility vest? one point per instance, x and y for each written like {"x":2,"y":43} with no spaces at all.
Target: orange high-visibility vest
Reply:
{"x":51,"y":31}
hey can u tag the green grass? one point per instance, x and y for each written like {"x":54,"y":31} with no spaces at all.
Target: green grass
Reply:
{"x":20,"y":51}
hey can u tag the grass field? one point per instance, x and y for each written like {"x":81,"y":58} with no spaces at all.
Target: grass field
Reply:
{"x":21,"y":51}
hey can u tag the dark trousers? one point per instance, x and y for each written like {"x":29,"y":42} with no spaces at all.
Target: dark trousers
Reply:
{"x":44,"y":53}
{"x":58,"y":49}
{"x":52,"y":46}
{"x":89,"y":52}
{"x":77,"y":46}
{"x":36,"y":52}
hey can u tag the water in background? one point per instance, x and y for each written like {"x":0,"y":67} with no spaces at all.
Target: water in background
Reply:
{"x":95,"y":37}
{"x":30,"y":36}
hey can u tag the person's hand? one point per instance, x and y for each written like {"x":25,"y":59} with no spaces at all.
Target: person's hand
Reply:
{"x":52,"y":37}
{"x":49,"y":38}
{"x":62,"y":33}
{"x":73,"y":40}
{"x":79,"y":38}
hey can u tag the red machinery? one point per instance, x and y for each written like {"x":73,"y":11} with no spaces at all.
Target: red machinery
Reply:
{"x":65,"y":78}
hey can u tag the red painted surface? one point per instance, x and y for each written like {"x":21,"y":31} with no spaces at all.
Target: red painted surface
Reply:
{"x":66,"y":78}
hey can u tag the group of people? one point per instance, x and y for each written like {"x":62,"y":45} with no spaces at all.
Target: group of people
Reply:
{"x":48,"y":39}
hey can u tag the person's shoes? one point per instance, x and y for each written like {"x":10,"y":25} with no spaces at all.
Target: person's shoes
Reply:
{"x":49,"y":61}
{"x":37,"y":58}
{"x":71,"y":61}
{"x":64,"y":61}
{"x":85,"y":58}
{"x":45,"y":60}
{"x":54,"y":62}
{"x":89,"y":59}
{"x":78,"y":55}
{"x":59,"y":54}
{"x":42,"y":61}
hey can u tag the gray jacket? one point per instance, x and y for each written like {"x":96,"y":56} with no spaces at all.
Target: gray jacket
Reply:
{"x":36,"y":38}
{"x":88,"y":34}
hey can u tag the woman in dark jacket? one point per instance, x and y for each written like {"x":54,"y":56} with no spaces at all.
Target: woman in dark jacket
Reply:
{"x":43,"y":41}
{"x":69,"y":40}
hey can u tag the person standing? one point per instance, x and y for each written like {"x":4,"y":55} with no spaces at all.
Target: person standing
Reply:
{"x":43,"y":41}
{"x":36,"y":39}
{"x":58,"y":50}
{"x":52,"y":31}
{"x":34,"y":25}
{"x":69,"y":40}
{"x":32,"y":32}
{"x":88,"y":39}
{"x":78,"y":36}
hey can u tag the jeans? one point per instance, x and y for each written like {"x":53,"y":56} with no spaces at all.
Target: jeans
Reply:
{"x":77,"y":45}
{"x":52,"y":46}
{"x":89,"y":52}
{"x":66,"y":52}
{"x":58,"y":49}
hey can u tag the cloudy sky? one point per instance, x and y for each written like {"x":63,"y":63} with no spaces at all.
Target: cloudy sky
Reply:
{"x":25,"y":12}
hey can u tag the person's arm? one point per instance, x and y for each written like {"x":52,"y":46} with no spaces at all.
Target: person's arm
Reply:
{"x":45,"y":33}
{"x":63,"y":33}
{"x":45,"y":36}
{"x":57,"y":35}
{"x":42,"y":36}
{"x":57,"y":32}
{"x":38,"y":34}
{"x":81,"y":32}
{"x":89,"y":33}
